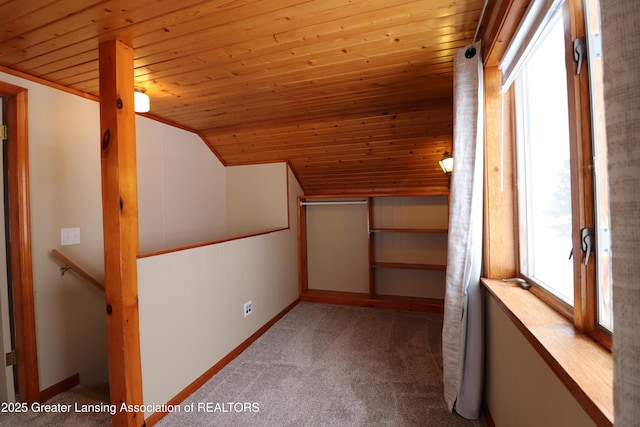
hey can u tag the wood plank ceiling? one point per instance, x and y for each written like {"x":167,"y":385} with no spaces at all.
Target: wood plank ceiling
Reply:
{"x":355,"y":94}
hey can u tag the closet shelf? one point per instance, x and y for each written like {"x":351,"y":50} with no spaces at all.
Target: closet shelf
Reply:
{"x":410,"y":230}
{"x":408,"y":266}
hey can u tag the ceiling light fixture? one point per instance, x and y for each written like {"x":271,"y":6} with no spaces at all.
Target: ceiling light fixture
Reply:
{"x":446,"y":163}
{"x":141,"y":103}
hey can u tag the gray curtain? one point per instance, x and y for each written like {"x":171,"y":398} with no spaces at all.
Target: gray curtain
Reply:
{"x":621,"y":39}
{"x":462,"y":340}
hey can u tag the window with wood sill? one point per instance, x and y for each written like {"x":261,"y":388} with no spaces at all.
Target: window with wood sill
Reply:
{"x":552,"y":97}
{"x":560,"y":345}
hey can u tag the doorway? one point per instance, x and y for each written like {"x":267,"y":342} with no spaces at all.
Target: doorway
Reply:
{"x":8,"y":383}
{"x":19,"y":263}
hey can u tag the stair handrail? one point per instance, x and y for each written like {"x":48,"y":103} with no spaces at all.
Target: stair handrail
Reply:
{"x":70,"y":265}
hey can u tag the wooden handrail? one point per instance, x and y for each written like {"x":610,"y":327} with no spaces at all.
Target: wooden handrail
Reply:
{"x":70,"y":265}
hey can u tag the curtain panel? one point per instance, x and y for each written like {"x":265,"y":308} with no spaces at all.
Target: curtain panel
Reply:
{"x":621,"y":42}
{"x":462,"y":340}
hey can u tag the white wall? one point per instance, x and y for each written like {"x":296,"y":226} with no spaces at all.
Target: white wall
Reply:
{"x":521,"y":389}
{"x":204,"y":289}
{"x":181,"y":188}
{"x":182,"y":200}
{"x":182,"y":192}
{"x":338,"y":248}
{"x":256,"y":198}
{"x":65,"y":183}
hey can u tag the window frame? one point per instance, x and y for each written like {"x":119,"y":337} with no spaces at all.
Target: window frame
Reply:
{"x":584,"y":311}
{"x":583,"y":314}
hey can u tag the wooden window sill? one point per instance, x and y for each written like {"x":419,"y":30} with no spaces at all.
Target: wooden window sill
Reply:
{"x":583,"y":366}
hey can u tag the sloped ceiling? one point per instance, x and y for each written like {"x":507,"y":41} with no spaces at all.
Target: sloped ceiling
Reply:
{"x":355,"y":94}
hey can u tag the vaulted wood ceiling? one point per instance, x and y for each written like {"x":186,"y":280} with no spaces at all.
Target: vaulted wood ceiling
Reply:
{"x":355,"y":94}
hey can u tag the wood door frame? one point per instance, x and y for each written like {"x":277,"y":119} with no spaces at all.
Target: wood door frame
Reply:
{"x":20,"y":241}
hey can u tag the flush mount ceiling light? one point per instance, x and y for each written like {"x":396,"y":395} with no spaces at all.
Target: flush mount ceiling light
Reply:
{"x":141,"y":102}
{"x":446,"y":163}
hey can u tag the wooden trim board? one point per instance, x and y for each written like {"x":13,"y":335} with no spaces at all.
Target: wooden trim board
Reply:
{"x":208,"y":243}
{"x":427,"y":305}
{"x":62,"y":386}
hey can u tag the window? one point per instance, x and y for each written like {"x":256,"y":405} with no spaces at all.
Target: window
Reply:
{"x":562,"y":190}
{"x":544,"y":180}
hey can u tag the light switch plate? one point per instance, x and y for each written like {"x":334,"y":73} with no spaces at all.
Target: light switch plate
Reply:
{"x":70,"y":236}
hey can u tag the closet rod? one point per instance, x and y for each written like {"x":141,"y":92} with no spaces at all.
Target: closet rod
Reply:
{"x":353,"y":202}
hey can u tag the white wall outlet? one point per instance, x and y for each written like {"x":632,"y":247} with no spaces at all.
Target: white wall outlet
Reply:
{"x":70,"y":236}
{"x":248,"y":308}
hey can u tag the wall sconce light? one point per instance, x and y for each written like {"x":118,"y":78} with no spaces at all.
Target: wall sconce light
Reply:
{"x":446,"y":163}
{"x":141,"y":102}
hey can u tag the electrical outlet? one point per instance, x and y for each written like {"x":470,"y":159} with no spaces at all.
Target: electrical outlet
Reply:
{"x":248,"y":308}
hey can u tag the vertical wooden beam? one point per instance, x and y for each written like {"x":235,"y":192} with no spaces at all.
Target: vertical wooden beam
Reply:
{"x":499,"y":228}
{"x":120,"y":223}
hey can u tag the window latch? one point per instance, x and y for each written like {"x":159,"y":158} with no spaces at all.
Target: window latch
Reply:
{"x":521,"y":282}
{"x":579,"y":51}
{"x":588,"y":243}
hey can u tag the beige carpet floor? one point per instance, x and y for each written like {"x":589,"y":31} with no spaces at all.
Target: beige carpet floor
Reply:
{"x":320,"y":365}
{"x":325,"y":365}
